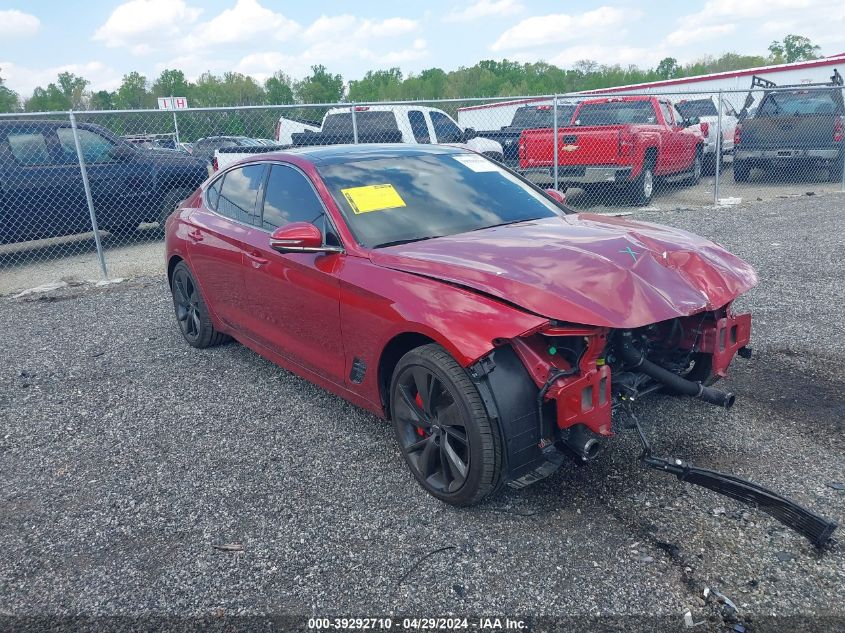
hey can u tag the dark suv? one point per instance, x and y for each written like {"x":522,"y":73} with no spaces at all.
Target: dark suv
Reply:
{"x":41,"y":189}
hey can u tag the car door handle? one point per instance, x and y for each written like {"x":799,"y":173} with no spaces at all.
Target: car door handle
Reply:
{"x":256,"y":259}
{"x":195,"y":235}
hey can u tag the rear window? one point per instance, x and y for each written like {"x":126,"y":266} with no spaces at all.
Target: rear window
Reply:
{"x":801,"y":103}
{"x":29,"y":149}
{"x":533,"y":117}
{"x":616,"y":113}
{"x":699,"y":107}
{"x":239,"y":193}
{"x":367,"y":121}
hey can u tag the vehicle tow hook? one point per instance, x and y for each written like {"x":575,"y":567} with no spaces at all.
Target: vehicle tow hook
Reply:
{"x":794,"y":516}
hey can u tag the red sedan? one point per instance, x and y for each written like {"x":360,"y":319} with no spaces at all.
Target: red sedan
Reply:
{"x":496,"y":329}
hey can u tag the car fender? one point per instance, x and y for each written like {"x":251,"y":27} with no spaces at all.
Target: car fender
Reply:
{"x":378,"y":304}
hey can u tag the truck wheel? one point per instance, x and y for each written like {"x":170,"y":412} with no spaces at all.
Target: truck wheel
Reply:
{"x":741,"y":170}
{"x":448,"y":441}
{"x":642,"y":189}
{"x":169,"y":202}
{"x":695,"y":176}
{"x":834,"y":173}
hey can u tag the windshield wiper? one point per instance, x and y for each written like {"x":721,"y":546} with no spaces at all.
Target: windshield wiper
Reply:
{"x":493,"y":226}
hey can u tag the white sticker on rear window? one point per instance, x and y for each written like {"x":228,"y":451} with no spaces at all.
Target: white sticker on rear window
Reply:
{"x":476,"y":162}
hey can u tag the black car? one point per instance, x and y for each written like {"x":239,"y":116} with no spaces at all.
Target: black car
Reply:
{"x":528,"y":117}
{"x":42,"y":192}
{"x":204,"y":148}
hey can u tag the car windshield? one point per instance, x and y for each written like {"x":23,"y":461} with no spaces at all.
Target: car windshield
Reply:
{"x":407,"y":198}
{"x":616,"y":113}
{"x":702,"y":107}
{"x":533,"y":117}
{"x":800,"y":102}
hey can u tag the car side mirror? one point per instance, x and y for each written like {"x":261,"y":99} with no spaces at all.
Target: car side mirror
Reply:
{"x":556,"y":195}
{"x":470,"y":134}
{"x":300,"y":237}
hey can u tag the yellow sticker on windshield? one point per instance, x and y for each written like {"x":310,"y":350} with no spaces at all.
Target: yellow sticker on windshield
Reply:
{"x":372,"y":198}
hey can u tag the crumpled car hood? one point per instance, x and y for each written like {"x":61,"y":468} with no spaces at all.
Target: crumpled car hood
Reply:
{"x":584,"y":268}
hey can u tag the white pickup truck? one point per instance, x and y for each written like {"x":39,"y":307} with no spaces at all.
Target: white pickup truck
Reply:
{"x":708,"y":120}
{"x":380,"y":124}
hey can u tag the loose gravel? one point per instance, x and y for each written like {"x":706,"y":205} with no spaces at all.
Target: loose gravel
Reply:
{"x":126,"y":457}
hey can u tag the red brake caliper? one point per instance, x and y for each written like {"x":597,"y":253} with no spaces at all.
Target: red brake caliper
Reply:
{"x":420,"y":430}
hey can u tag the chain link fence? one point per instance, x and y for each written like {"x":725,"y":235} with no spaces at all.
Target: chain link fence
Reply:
{"x":85,"y":194}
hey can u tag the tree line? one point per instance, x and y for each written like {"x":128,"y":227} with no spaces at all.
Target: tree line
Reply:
{"x":487,"y":78}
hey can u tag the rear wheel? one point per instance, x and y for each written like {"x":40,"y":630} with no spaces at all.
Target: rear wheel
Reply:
{"x":448,"y":441}
{"x":169,"y":202}
{"x":642,"y":189}
{"x":741,"y":171}
{"x":191,"y":310}
{"x":834,"y":174}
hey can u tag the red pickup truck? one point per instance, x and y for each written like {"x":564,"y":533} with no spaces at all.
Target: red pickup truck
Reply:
{"x":624,"y":141}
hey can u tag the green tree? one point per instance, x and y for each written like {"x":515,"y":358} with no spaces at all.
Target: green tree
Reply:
{"x":667,"y":68}
{"x":319,"y":87}
{"x":207,"y":92}
{"x":102,"y":100}
{"x":793,"y":48}
{"x":279,"y":89}
{"x":9,"y":101}
{"x":171,"y":83}
{"x":379,"y":85}
{"x":132,"y":93}
{"x":47,"y":99}
{"x":73,"y":88}
{"x":240,"y":89}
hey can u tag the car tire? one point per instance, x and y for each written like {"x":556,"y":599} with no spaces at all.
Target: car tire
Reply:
{"x":708,"y":165}
{"x":741,"y":171}
{"x":642,"y":189}
{"x":191,"y":310}
{"x":169,"y":202}
{"x":834,"y":173}
{"x":447,"y":439}
{"x":695,"y":176}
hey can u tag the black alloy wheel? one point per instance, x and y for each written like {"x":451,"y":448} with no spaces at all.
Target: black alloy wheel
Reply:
{"x":446,"y":437}
{"x":191,"y":310}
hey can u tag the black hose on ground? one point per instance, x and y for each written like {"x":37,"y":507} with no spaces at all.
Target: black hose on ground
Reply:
{"x":637,"y":360}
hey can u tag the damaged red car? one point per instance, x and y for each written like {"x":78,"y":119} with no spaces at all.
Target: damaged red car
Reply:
{"x":497,"y":329}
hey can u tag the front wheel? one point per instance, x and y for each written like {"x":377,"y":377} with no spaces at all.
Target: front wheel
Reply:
{"x":695,"y":173}
{"x":450,"y":444}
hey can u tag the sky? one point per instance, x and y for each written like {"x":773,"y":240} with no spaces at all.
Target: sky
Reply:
{"x":102,"y":40}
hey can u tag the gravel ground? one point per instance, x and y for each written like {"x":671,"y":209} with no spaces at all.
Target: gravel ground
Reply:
{"x":125,"y":456}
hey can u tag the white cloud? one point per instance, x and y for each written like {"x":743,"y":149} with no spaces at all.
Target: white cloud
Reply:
{"x":349,"y":27}
{"x":247,"y":19}
{"x":14,"y":23}
{"x":138,"y":24}
{"x":484,"y":9}
{"x":699,"y":34}
{"x":24,"y":80}
{"x":551,"y":29}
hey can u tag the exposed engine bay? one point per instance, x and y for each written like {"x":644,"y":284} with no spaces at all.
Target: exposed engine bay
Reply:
{"x":586,"y":381}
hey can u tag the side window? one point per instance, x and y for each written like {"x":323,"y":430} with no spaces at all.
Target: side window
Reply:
{"x":29,"y":149}
{"x":289,"y":197}
{"x":419,"y":127}
{"x":666,"y":111}
{"x":445,"y":129}
{"x":239,"y":193}
{"x":212,"y":194}
{"x":95,"y":148}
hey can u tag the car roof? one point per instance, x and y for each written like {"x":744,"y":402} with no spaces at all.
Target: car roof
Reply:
{"x":331,"y":154}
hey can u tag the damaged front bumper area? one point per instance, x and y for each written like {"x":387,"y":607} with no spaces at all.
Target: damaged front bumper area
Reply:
{"x":555,"y":390}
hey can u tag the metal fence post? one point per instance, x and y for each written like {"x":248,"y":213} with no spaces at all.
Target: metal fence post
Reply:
{"x":717,"y":181}
{"x":175,"y":127}
{"x":554,"y":120}
{"x":354,"y":124}
{"x":88,"y":197}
